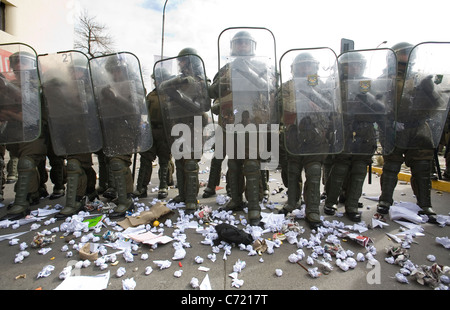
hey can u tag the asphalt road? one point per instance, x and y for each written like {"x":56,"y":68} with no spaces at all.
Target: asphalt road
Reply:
{"x":261,"y":274}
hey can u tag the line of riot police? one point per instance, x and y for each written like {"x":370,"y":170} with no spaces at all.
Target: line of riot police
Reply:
{"x":334,"y":114}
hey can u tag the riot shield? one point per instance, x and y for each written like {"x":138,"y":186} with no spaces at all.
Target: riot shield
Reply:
{"x":20,"y":102}
{"x":311,"y":102}
{"x":182,"y":88}
{"x":424,"y":102}
{"x":368,"y":97}
{"x":69,"y":98}
{"x":120,"y":96}
{"x":246,"y":92}
{"x":248,"y":80}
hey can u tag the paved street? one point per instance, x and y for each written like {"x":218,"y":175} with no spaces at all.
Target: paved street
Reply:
{"x":263,"y":272}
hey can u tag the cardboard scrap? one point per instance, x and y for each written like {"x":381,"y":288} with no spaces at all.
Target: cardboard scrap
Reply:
{"x":85,"y":253}
{"x":146,"y":217}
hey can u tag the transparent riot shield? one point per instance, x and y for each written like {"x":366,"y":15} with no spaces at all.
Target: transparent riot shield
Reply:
{"x":246,"y":84}
{"x":120,"y":96}
{"x":20,"y":101}
{"x":247,"y":77}
{"x":69,"y":98}
{"x":424,"y":102}
{"x":368,"y":84}
{"x":311,"y":102}
{"x":182,"y":88}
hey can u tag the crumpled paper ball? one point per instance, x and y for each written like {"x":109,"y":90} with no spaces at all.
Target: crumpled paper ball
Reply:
{"x":128,"y":284}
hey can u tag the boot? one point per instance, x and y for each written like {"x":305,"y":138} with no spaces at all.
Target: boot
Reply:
{"x":111,"y":191}
{"x":191,"y":185}
{"x":144,"y":176}
{"x":252,"y":175}
{"x":421,"y":185}
{"x":58,"y":177}
{"x":335,"y":180}
{"x":388,"y":182}
{"x":264,"y":186}
{"x":180,"y":182}
{"x":292,"y":174}
{"x":27,"y":170}
{"x":354,"y":190}
{"x":311,"y":194}
{"x":163,"y":177}
{"x":121,"y":173}
{"x":214,"y":177}
{"x":234,"y":173}
{"x":73,"y":201}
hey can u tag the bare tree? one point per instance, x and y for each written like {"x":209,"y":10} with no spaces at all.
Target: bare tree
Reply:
{"x":92,"y":37}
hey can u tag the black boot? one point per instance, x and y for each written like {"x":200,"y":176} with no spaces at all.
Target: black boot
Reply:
{"x":26,"y":168}
{"x":124,"y":202}
{"x":421,"y":185}
{"x":73,"y":202}
{"x":388,"y":182}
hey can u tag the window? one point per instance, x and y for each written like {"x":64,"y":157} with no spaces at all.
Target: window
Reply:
{"x":2,"y":16}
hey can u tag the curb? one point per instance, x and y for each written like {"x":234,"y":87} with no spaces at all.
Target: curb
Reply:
{"x":439,"y":185}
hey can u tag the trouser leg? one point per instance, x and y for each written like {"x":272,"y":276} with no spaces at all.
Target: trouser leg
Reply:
{"x":252,"y":175}
{"x":388,"y":182}
{"x":311,"y":194}
{"x":124,"y":186}
{"x":191,"y":183}
{"x":421,"y":185}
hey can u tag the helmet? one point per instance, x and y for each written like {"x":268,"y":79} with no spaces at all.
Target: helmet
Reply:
{"x":402,"y":48}
{"x":187,"y":51}
{"x":160,"y":74}
{"x":26,"y":59}
{"x":402,"y":51}
{"x":115,"y":63}
{"x":191,"y":55}
{"x":304,"y":64}
{"x":238,"y":39}
{"x":352,"y":64}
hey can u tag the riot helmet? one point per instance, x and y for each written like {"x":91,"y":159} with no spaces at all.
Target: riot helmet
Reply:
{"x":117,"y":67}
{"x":304,"y":64}
{"x":22,"y":61}
{"x":352,"y":65}
{"x":402,"y":51}
{"x":189,"y":61}
{"x":160,"y":75}
{"x":79,"y":68}
{"x":243,"y":44}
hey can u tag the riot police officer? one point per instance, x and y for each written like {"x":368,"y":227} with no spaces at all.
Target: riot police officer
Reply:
{"x":120,"y":107}
{"x":305,"y":103}
{"x":360,"y":118}
{"x":184,"y":101}
{"x":244,"y":88}
{"x":410,"y":123}
{"x":30,"y":154}
{"x":160,"y":147}
{"x":72,"y":119}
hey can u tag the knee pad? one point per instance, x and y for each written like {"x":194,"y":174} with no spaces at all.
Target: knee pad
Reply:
{"x":314,"y":170}
{"x":116,"y":164}
{"x":251,"y":167}
{"x":73,"y":166}
{"x":25,"y":163}
{"x":191,"y":165}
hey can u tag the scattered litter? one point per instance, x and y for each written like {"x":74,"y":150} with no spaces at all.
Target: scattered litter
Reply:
{"x":46,"y":271}
{"x":445,"y":241}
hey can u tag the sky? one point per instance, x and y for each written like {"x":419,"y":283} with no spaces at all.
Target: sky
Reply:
{"x":136,"y":25}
